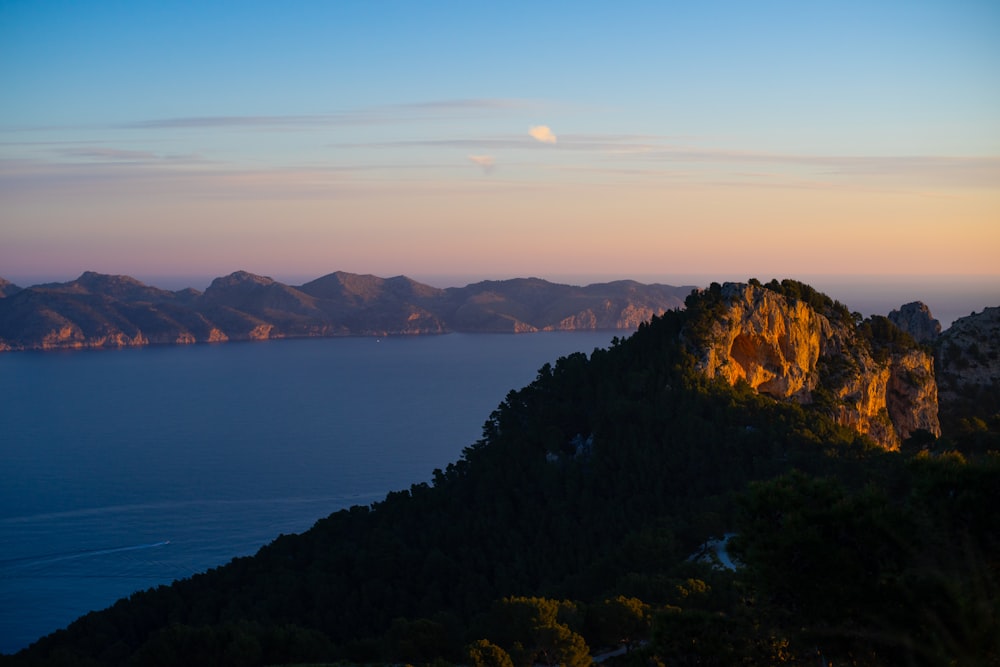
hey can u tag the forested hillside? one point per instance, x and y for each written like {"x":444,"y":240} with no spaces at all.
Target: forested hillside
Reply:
{"x":574,"y":527}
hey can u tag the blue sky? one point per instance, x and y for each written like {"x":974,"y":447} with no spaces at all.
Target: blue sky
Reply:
{"x":771,"y":138}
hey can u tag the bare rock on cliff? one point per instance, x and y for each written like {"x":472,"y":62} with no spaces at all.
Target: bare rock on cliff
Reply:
{"x":766,"y":341}
{"x":915,"y":319}
{"x":810,"y":350}
{"x":912,"y":394}
{"x":968,"y":364}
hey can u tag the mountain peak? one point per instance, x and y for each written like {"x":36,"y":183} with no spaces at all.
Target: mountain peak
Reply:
{"x":915,"y":319}
{"x":240,"y":278}
{"x":7,"y":288}
{"x":103,"y":281}
{"x":121,"y":287}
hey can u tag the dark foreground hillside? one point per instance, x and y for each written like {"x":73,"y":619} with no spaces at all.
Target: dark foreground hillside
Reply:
{"x":570,"y":529}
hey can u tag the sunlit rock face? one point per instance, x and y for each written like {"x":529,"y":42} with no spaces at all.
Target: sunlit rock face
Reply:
{"x":764,"y":340}
{"x":912,"y":396}
{"x":784,"y":348}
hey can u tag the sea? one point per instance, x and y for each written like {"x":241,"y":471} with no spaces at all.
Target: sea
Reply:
{"x":122,"y":470}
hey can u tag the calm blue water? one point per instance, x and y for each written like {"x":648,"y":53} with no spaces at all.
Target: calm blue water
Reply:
{"x":122,"y":470}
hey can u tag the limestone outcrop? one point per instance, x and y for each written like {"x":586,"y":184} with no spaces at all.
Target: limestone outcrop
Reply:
{"x":915,"y":319}
{"x":968,"y":358}
{"x":912,"y":395}
{"x":766,"y":341}
{"x":811,"y":350}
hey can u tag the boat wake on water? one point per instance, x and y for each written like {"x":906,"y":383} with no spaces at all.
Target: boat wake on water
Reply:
{"x":8,"y":567}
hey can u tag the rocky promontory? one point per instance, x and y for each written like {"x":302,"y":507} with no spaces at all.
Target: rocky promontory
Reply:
{"x":915,"y":319}
{"x":787,"y":341}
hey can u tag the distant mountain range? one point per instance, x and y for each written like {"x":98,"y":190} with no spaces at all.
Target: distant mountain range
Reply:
{"x":98,"y":310}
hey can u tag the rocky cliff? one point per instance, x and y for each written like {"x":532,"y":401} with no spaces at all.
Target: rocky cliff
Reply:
{"x":787,"y":341}
{"x":98,"y":310}
{"x":915,"y":319}
{"x":968,"y":365}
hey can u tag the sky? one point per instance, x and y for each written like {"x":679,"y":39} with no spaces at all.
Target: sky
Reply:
{"x":452,"y":141}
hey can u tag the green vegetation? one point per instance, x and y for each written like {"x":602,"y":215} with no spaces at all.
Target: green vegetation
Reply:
{"x":885,"y":337}
{"x":821,"y":303}
{"x":567,"y":531}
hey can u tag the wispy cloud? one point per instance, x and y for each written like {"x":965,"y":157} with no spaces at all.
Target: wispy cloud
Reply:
{"x":55,"y":168}
{"x":922,"y":170}
{"x":468,"y":105}
{"x":187,"y":122}
{"x":104,"y":154}
{"x":36,"y":178}
{"x":543,"y":134}
{"x":655,"y":156}
{"x":487,"y":162}
{"x":494,"y":143}
{"x":393,"y":113}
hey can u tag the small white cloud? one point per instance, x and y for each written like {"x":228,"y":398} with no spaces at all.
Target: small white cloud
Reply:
{"x":543,"y":134}
{"x":485,"y":161}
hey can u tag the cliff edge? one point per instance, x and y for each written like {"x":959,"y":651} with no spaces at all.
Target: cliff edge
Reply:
{"x":968,"y":369}
{"x":792,"y":343}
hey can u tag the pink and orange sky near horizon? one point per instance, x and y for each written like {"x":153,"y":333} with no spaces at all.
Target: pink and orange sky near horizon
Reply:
{"x":453,"y":142}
